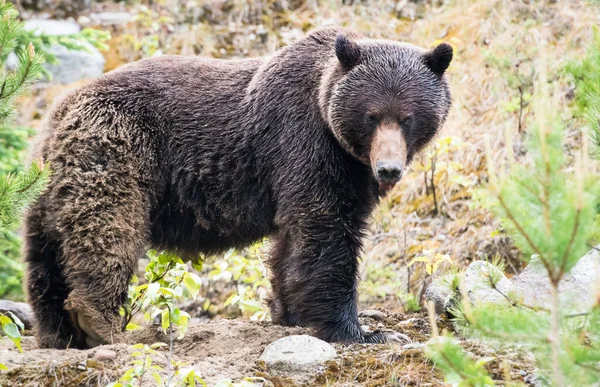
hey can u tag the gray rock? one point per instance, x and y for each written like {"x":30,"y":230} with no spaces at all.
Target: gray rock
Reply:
{"x":51,"y":27}
{"x":111,"y":18}
{"x":485,"y":283}
{"x":441,"y":293}
{"x":298,"y":353}
{"x":577,"y":290}
{"x":477,"y":282}
{"x":74,"y":65}
{"x":20,"y":309}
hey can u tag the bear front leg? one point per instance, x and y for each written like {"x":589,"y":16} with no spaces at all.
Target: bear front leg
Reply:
{"x":46,"y":287}
{"x":321,"y":282}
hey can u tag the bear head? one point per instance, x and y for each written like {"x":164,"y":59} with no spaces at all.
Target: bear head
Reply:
{"x":384,"y":101}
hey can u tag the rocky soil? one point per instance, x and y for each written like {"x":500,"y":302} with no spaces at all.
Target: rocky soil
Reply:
{"x":237,"y":350}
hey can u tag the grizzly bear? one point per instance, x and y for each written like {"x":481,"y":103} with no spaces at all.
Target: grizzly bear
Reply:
{"x":197,"y":155}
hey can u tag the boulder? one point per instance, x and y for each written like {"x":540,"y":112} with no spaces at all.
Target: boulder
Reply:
{"x":579,"y":289}
{"x":485,"y":283}
{"x":73,"y":65}
{"x":20,"y":309}
{"x":440,"y":292}
{"x":298,"y":353}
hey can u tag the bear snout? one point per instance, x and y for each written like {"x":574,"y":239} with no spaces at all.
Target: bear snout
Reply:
{"x":389,"y":172}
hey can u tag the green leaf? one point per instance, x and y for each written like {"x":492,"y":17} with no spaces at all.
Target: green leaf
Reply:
{"x":165,"y":319}
{"x":11,"y":330}
{"x":159,"y":345}
{"x":197,"y":265}
{"x":192,"y":283}
{"x":157,"y":378}
{"x":132,"y":327}
{"x":250,"y":305}
{"x":3,"y":367}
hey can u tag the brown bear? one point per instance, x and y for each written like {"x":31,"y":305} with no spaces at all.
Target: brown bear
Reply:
{"x":200,"y":155}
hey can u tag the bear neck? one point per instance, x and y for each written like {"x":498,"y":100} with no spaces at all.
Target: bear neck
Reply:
{"x":284,"y":109}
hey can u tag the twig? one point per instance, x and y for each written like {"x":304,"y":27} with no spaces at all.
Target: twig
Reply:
{"x":433,"y":162}
{"x":170,"y":347}
{"x":571,"y":240}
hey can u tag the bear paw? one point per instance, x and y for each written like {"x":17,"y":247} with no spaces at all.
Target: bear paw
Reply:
{"x":92,"y":339}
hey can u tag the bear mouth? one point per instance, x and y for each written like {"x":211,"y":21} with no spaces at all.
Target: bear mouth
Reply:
{"x":385,"y":188}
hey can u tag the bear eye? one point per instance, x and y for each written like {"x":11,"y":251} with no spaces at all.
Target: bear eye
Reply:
{"x":406,"y":122}
{"x":371,"y":119}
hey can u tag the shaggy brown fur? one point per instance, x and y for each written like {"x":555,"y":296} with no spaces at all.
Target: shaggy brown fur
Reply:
{"x":201,"y":155}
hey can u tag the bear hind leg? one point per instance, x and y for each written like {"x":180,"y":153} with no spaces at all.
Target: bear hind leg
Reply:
{"x":46,"y":287}
{"x":99,"y":266}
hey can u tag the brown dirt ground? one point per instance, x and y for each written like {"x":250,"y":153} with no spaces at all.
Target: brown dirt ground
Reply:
{"x":230,"y":349}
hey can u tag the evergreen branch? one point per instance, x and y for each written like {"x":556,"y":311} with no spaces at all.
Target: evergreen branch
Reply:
{"x":588,"y":366}
{"x":512,"y":218}
{"x":570,"y":245}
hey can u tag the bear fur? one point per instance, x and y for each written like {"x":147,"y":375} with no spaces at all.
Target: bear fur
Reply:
{"x":199,"y":155}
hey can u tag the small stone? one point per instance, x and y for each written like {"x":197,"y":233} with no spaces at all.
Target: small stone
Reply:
{"x":84,"y":20}
{"x":20,"y":309}
{"x":111,"y":18}
{"x":104,"y":355}
{"x":374,"y":314}
{"x":297,"y":353}
{"x":81,"y":367}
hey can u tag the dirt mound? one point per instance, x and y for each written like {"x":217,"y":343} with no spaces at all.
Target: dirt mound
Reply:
{"x":217,"y":349}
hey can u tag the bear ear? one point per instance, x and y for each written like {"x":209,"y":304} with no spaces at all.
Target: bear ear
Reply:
{"x":439,"y":58}
{"x":347,"y":52}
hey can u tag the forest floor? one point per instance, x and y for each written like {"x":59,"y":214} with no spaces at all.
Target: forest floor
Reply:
{"x":230,"y":349}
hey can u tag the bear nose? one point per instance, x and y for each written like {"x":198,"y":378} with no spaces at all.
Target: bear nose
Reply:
{"x":389,"y":171}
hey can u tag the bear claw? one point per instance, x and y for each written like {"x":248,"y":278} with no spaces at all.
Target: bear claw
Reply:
{"x":397,"y":337}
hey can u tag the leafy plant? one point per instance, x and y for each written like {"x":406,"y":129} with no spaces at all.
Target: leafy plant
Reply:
{"x":143,"y":364}
{"x":518,"y":71}
{"x":249,"y":276}
{"x":168,"y":282}
{"x":11,"y":327}
{"x":432,"y":261}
